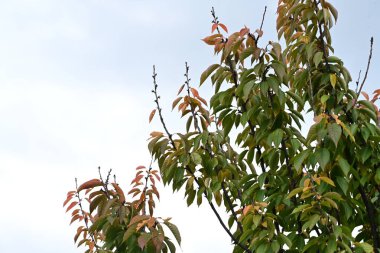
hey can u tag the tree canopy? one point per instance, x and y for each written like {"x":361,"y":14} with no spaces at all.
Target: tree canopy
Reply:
{"x":286,"y":184}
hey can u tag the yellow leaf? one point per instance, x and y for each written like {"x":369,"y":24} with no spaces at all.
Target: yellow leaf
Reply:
{"x":327,"y":180}
{"x":333,"y":80}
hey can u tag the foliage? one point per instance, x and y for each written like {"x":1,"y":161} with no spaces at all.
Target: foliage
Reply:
{"x":247,"y":149}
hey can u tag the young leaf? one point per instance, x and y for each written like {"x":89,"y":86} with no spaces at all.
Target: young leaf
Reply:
{"x":151,"y":115}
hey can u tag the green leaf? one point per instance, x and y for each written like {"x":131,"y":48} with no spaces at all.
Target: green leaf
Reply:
{"x":335,"y":131}
{"x":366,"y":247}
{"x":317,"y":58}
{"x":300,"y":158}
{"x":323,"y":157}
{"x":311,"y":222}
{"x":173,"y":228}
{"x":377,"y":176}
{"x":343,"y":184}
{"x":196,"y":158}
{"x":208,"y":72}
{"x":294,"y":192}
{"x":344,"y":165}
{"x":296,"y":98}
{"x":285,"y":240}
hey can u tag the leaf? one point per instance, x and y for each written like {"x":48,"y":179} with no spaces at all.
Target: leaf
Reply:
{"x":119,"y":192}
{"x":343,"y":184}
{"x":90,"y":184}
{"x":223,"y":27}
{"x":300,"y":158}
{"x":294,"y":192}
{"x":365,"y":246}
{"x":208,"y":72}
{"x":71,"y":206}
{"x":333,"y":80}
{"x":180,"y":89}
{"x":213,"y":28}
{"x":377,"y":176}
{"x":335,"y":131}
{"x":195,"y":92}
{"x":175,"y":102}
{"x":365,"y":95}
{"x":173,"y":228}
{"x":323,"y":157}
{"x":151,"y":115}
{"x":317,"y":58}
{"x":327,"y":180}
{"x":344,"y":165}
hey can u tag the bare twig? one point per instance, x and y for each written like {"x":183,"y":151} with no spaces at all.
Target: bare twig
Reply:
{"x":262,"y":20}
{"x":357,"y":82}
{"x":366,"y":72}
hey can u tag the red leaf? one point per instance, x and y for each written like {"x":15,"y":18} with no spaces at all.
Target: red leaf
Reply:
{"x":152,"y":115}
{"x":119,"y":192}
{"x":214,"y":26}
{"x":71,"y":206}
{"x":195,"y":92}
{"x":90,"y":184}
{"x":141,"y":167}
{"x":223,"y":27}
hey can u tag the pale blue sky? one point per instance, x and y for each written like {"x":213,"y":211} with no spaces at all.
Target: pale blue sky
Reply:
{"x":75,"y":80}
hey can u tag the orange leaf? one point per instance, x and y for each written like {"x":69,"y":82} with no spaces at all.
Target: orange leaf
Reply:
{"x":214,"y":26}
{"x":180,"y":89}
{"x":203,"y":101}
{"x":175,"y":102}
{"x":377,"y":91}
{"x":155,"y":134}
{"x":71,"y":206}
{"x":134,"y":190}
{"x":223,"y":27}
{"x":75,"y":217}
{"x":90,"y":184}
{"x":152,"y":115}
{"x":244,"y":31}
{"x":119,"y":192}
{"x":67,"y":200}
{"x":195,"y":92}
{"x":365,"y":95}
{"x":137,"y":179}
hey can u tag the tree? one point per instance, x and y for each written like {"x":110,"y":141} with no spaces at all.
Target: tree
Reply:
{"x":244,"y":149}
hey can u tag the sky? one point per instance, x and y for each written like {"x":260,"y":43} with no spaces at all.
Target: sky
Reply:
{"x":75,"y":81}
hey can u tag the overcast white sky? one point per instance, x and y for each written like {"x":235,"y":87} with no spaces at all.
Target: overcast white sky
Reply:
{"x":75,"y":80}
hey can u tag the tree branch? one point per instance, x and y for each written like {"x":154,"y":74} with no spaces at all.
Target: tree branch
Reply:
{"x":235,"y":241}
{"x":371,"y":218}
{"x":366,"y":72}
